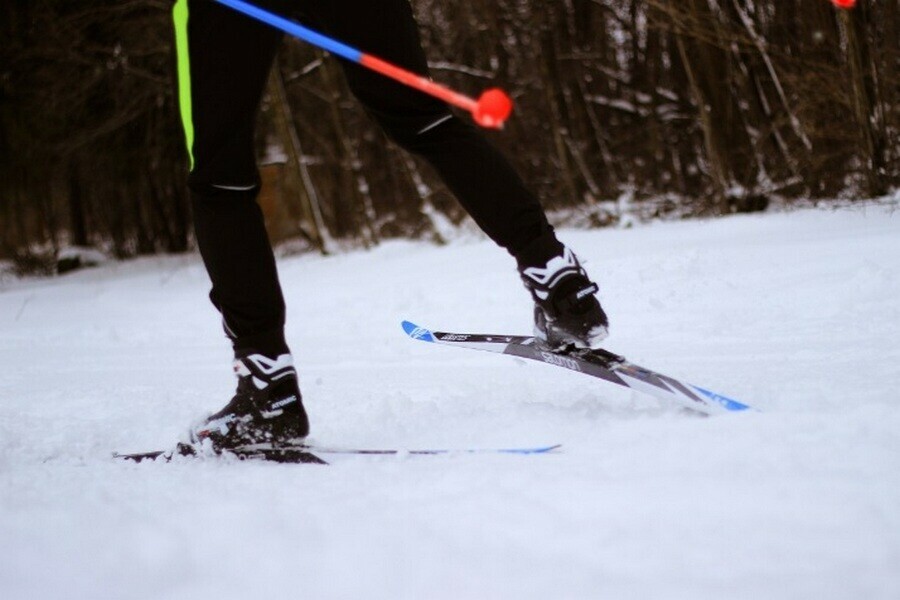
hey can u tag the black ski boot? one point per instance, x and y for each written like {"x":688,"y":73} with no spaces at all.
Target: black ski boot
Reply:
{"x":566,"y":309}
{"x":266,"y":411}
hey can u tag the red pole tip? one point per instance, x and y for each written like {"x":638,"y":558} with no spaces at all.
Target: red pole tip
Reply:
{"x":492,"y":109}
{"x":844,"y":3}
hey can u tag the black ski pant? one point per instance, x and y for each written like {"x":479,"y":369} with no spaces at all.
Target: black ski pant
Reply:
{"x":224,"y":62}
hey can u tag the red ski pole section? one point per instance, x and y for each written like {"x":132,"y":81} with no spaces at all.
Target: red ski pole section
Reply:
{"x":490,"y":110}
{"x":418,"y":82}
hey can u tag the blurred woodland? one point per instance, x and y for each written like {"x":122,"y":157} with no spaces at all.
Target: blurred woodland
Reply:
{"x":682,"y":106}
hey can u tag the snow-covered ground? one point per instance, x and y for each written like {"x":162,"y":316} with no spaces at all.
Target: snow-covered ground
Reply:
{"x":797,"y":314}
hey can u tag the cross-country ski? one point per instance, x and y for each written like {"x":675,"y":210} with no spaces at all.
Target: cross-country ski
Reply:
{"x":308,"y":453}
{"x":595,"y":363}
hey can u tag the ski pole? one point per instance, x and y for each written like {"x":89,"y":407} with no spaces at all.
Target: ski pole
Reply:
{"x":490,"y":110}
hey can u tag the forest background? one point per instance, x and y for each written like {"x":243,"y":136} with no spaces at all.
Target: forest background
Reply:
{"x":654,"y":107}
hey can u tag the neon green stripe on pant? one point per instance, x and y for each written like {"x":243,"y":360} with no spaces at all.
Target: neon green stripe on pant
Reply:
{"x":180,"y":16}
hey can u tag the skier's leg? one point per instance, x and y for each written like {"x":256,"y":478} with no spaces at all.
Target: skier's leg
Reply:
{"x":224,"y":61}
{"x":566,"y":306}
{"x":478,"y":175}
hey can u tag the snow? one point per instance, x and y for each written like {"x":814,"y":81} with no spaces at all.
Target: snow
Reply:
{"x":795,"y":313}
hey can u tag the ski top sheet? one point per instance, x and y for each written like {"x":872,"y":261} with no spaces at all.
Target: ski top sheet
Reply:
{"x":308,"y":453}
{"x":600,"y":364}
{"x":435,"y":451}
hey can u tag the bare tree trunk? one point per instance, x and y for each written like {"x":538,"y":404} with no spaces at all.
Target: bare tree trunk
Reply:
{"x":313,"y":223}
{"x":78,"y":228}
{"x":440,"y":224}
{"x":864,"y":106}
{"x":716,"y":168}
{"x":550,"y":74}
{"x":360,"y":190}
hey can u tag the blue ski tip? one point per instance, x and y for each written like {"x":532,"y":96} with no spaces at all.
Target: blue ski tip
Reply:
{"x":539,"y":450}
{"x":416,"y":332}
{"x":724,"y":401}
